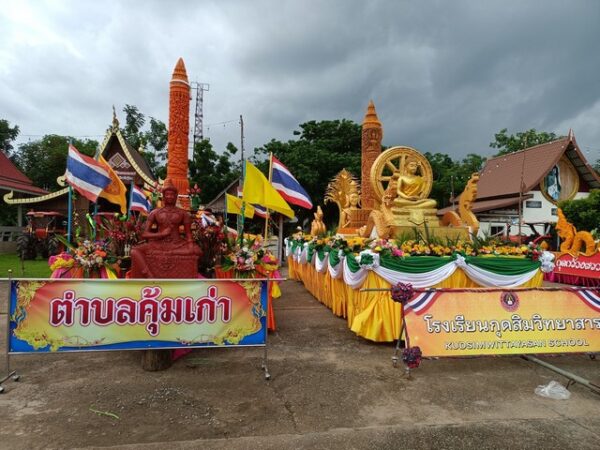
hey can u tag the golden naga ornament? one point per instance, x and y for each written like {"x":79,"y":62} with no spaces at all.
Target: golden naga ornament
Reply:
{"x":574,"y":240}
{"x":465,"y":215}
{"x":317,"y":227}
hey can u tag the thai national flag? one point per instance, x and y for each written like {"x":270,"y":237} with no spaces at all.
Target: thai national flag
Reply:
{"x":86,"y":175}
{"x":139,"y":202}
{"x":260,"y":211}
{"x":289,"y":188}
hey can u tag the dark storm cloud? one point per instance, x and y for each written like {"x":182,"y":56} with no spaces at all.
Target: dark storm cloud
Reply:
{"x":445,"y":76}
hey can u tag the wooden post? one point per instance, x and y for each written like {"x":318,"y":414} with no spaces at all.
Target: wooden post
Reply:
{"x":155,"y":360}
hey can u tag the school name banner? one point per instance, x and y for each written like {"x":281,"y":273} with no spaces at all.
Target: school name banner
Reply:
{"x":76,"y":315}
{"x":503,"y":322}
{"x":579,"y":266}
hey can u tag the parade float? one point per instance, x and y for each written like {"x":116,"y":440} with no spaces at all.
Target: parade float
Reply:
{"x":390,"y":232}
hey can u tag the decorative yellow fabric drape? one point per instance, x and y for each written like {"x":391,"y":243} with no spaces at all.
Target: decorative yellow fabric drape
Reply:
{"x":372,"y":315}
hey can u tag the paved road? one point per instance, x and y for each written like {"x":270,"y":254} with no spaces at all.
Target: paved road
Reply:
{"x":330,"y":389}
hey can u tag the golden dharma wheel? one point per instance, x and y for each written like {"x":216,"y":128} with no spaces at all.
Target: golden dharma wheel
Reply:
{"x":391,"y":162}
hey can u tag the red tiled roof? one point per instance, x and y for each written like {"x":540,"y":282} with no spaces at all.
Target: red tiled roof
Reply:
{"x":501,"y":176}
{"x":11,"y":178}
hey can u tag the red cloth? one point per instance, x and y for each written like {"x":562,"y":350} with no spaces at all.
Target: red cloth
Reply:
{"x":572,"y":280}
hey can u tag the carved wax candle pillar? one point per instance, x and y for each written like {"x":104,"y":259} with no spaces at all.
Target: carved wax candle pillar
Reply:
{"x":179,"y":127}
{"x":372,"y":134}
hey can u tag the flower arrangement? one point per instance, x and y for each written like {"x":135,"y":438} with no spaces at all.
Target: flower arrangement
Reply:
{"x":269,"y":262}
{"x":212,"y":242}
{"x":86,"y":259}
{"x":412,"y":247}
{"x":61,"y":261}
{"x":402,"y":292}
{"x":194,"y":193}
{"x":244,"y":259}
{"x":120,"y":232}
{"x":249,"y":256}
{"x":412,"y":357}
{"x":91,"y":256}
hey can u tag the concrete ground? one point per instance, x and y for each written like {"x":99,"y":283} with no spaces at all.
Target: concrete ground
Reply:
{"x":329,"y":390}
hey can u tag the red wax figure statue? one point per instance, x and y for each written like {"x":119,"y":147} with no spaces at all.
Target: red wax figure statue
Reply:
{"x":166,"y":254}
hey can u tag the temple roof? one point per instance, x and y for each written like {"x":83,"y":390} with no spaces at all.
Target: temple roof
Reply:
{"x":501,"y":176}
{"x":133,"y":156}
{"x":12,"y":179}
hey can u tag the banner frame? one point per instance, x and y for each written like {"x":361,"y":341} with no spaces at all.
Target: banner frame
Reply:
{"x":265,"y":284}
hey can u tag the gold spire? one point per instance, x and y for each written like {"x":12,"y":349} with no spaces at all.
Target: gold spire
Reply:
{"x":371,"y":116}
{"x":179,"y":73}
{"x":115,"y":121}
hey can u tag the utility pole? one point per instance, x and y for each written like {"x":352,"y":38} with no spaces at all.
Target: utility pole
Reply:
{"x":242,"y":137}
{"x":521,"y":192}
{"x":199,"y":113}
{"x":240,"y":217}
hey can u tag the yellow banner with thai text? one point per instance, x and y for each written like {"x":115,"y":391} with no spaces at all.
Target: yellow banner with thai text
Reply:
{"x":504,"y":322}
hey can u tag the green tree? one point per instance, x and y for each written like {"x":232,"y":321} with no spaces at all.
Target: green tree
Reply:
{"x":445,"y":178}
{"x":320,"y":152}
{"x":450,"y":177}
{"x":134,"y":122}
{"x":513,"y":143}
{"x":154,"y":140}
{"x":45,"y":160}
{"x":7,"y":135}
{"x":584,"y":213}
{"x":211,"y":171}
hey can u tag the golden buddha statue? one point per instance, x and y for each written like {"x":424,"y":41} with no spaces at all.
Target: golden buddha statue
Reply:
{"x":410,"y":188}
{"x":348,"y":212}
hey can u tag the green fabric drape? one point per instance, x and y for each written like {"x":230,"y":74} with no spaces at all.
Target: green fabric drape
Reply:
{"x":415,"y":264}
{"x":503,"y":265}
{"x":352,"y":263}
{"x":334,"y":258}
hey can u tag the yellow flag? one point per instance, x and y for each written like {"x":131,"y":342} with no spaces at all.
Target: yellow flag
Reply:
{"x":234,"y":206}
{"x":115,"y":192}
{"x":258,"y":190}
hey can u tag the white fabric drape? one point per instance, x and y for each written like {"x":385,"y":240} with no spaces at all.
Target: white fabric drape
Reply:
{"x":321,"y":264}
{"x":337,"y":270}
{"x":418,"y":280}
{"x":354,"y":279}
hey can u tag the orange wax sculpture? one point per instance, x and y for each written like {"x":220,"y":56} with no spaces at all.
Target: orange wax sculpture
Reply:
{"x":372,"y":134}
{"x":179,"y":127}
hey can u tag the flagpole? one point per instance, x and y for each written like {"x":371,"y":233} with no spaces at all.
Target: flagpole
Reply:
{"x":131,"y":184}
{"x":70,"y":215}
{"x":225,"y":213}
{"x":280,"y":241}
{"x":240,"y":221}
{"x":267,"y":209}
{"x":243,"y":211}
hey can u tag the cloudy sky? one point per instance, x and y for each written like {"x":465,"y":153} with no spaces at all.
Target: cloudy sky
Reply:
{"x":444,"y":75}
